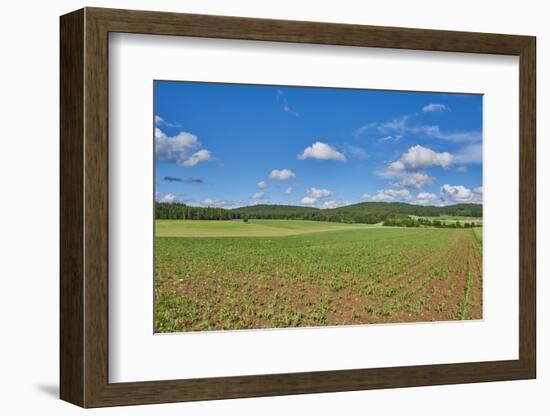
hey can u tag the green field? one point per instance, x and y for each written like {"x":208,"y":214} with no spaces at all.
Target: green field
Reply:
{"x":214,"y":275}
{"x":478,"y":232}
{"x":252,"y":228}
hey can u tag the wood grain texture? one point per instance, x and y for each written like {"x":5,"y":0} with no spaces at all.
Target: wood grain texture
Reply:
{"x":527,"y":208}
{"x":84,"y":207}
{"x":71,"y":184}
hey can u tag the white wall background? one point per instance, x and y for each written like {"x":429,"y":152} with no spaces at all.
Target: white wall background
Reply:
{"x":29,"y":84}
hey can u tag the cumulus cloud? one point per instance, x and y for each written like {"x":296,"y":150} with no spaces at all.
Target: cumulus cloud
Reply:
{"x":288,"y":190}
{"x":425,"y":198}
{"x":159,"y":134}
{"x":417,"y":158}
{"x":389,"y":195}
{"x":215,"y":203}
{"x":430,"y":108}
{"x":420,"y":157}
{"x":460,"y":193}
{"x":394,"y":169}
{"x":183,"y":148}
{"x":321,"y":151}
{"x":315,"y":196}
{"x":318,"y":193}
{"x":196,"y":158}
{"x":306,"y":200}
{"x":331,"y":204}
{"x":169,"y":198}
{"x":159,"y":121}
{"x":262,"y":185}
{"x":414,"y":180}
{"x":322,"y":203}
{"x":258,"y":195}
{"x":282,"y":174}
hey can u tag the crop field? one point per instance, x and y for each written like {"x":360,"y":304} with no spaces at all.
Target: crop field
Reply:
{"x":216,"y":275}
{"x":478,"y":232}
{"x":255,"y":228}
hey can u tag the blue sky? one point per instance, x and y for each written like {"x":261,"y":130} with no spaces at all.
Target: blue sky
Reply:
{"x":229,"y":145}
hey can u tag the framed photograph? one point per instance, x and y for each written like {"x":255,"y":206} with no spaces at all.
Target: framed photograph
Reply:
{"x":255,"y":207}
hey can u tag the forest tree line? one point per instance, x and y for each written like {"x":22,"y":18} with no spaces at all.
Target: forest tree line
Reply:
{"x":426,"y":222}
{"x":366,"y":213}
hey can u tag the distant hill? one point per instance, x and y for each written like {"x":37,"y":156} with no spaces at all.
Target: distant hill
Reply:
{"x":365,"y":212}
{"x":269,"y":211}
{"x":467,"y":210}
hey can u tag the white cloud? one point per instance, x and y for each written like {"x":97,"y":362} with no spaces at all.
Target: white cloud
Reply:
{"x":471,"y":153}
{"x":288,"y":190}
{"x":318,"y":193}
{"x":389,"y":195}
{"x":414,"y":180}
{"x":224,"y":203}
{"x":331,"y":204}
{"x":425,"y":198}
{"x":321,"y":151}
{"x":415,"y":159}
{"x":400,"y":126}
{"x":430,"y":108}
{"x":159,"y":134}
{"x":323,"y":204}
{"x":394,"y":169}
{"x":419,"y":157}
{"x":478,"y":190}
{"x":169,"y":198}
{"x":306,"y":200}
{"x":258,"y":195}
{"x":183,"y":148}
{"x":262,"y":185}
{"x":462,"y":169}
{"x":159,"y":121}
{"x":459,"y":193}
{"x":195,"y":158}
{"x":282,"y":175}
{"x":313,"y":195}
{"x":215,"y":203}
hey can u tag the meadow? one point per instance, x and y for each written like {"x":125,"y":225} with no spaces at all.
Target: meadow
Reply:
{"x":253,"y":228}
{"x":220,"y":275}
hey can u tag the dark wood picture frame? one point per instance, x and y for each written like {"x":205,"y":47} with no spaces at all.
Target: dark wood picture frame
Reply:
{"x":84,"y":207}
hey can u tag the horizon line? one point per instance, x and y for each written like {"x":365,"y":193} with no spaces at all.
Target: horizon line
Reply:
{"x":321,"y":209}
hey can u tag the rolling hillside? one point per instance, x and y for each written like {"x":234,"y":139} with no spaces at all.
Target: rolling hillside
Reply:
{"x":366,"y":212}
